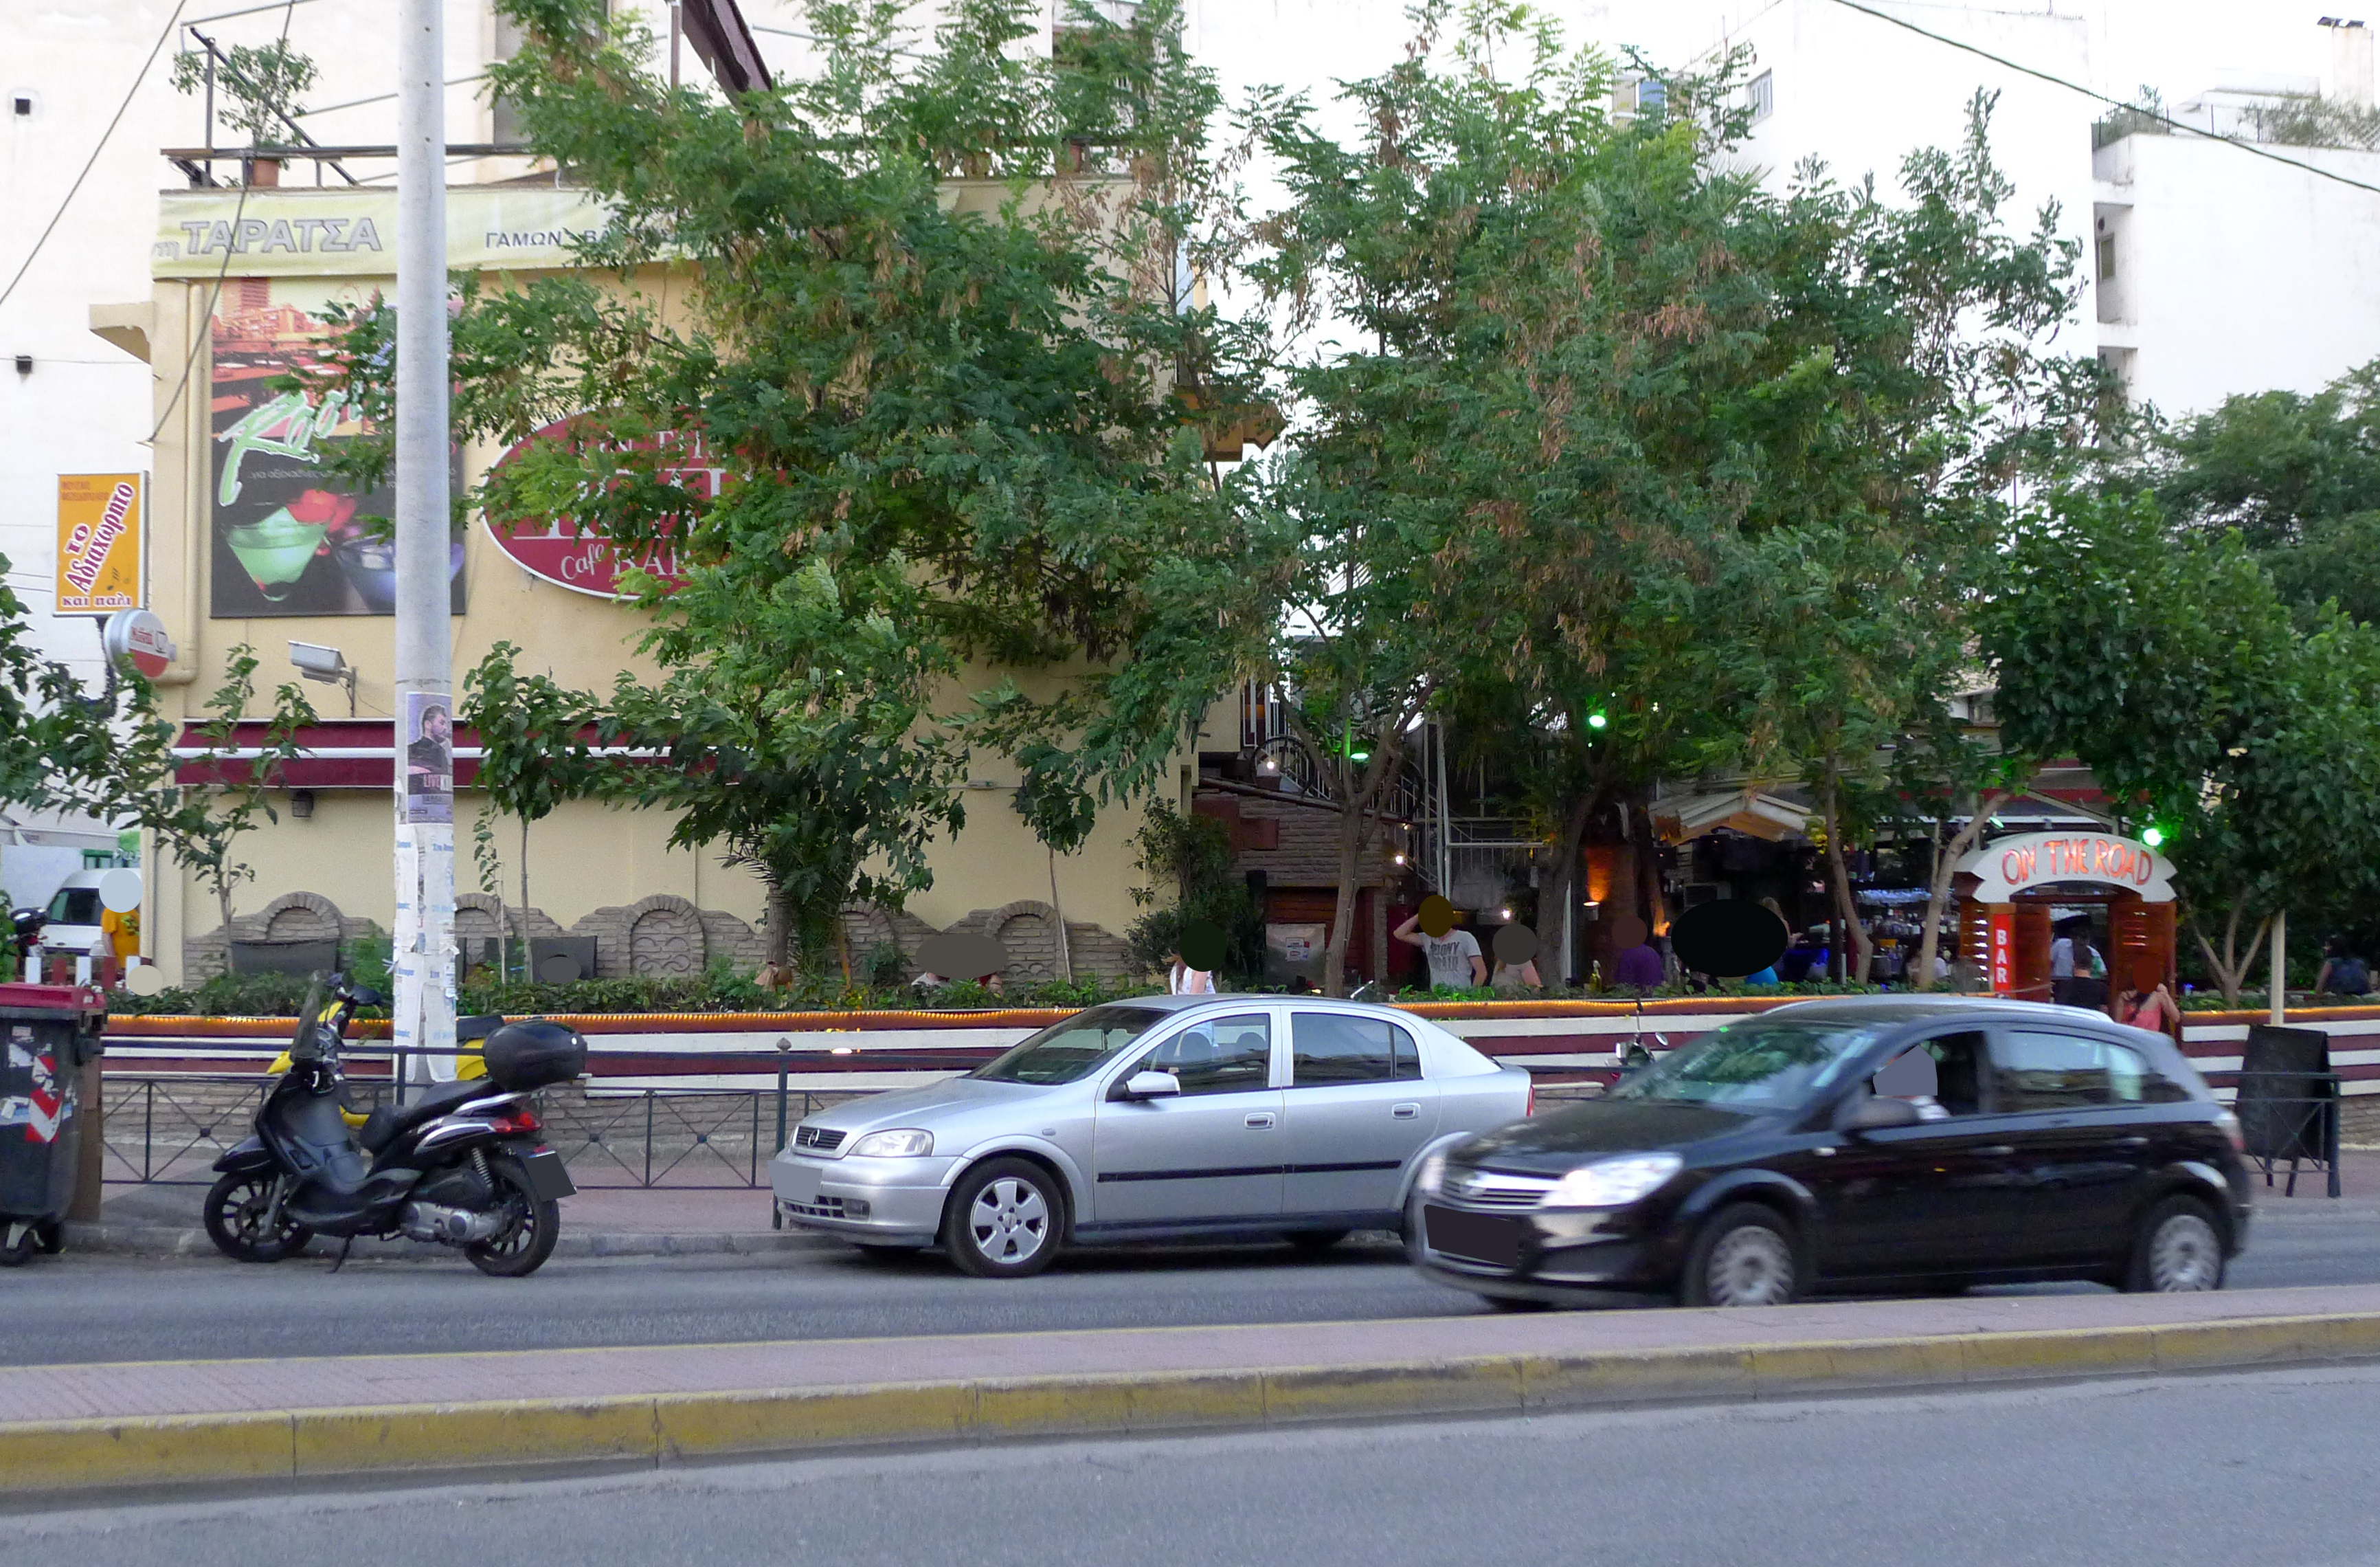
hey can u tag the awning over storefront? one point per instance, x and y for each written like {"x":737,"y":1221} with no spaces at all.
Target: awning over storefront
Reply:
{"x":1748,"y":811}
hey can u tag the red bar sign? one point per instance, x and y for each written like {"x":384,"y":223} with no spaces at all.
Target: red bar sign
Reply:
{"x":2004,"y":953}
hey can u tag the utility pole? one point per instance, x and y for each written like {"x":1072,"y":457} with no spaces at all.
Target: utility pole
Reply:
{"x":425,"y":768}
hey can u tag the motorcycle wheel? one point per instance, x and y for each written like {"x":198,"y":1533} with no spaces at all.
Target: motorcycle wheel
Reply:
{"x":235,"y":1214}
{"x":528,"y":1240}
{"x":21,"y":1253}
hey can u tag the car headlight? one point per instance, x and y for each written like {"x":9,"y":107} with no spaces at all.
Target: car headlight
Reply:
{"x":1431,"y":1176}
{"x":904,"y":1143}
{"x":1613,"y":1182}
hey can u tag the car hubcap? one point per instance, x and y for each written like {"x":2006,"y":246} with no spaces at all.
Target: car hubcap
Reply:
{"x":1010,"y":1221}
{"x":1750,"y":1267}
{"x":2185,"y":1255}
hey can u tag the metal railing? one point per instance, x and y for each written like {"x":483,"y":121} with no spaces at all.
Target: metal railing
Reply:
{"x":168,"y":1128}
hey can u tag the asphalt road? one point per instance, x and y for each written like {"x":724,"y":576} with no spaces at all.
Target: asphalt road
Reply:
{"x":2273,"y":1467}
{"x":95,"y":1307}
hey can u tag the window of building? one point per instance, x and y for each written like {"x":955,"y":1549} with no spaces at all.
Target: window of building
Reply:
{"x":2107,"y":257}
{"x":1761,"y":96}
{"x":1652,"y":96}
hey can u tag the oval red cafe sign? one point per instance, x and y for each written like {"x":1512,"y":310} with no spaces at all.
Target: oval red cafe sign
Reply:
{"x":566,"y":554}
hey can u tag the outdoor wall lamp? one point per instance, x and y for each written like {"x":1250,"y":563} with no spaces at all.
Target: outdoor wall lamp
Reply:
{"x":326,"y":664}
{"x":301,"y":804}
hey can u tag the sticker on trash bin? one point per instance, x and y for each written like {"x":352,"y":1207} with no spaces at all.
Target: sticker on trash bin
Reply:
{"x":48,"y":1101}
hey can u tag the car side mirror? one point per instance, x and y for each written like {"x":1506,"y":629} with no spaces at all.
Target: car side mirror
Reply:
{"x":1147,"y":1086}
{"x":1878,"y":1112}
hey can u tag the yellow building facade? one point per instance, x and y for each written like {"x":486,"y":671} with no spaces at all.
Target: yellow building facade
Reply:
{"x":249,"y":545}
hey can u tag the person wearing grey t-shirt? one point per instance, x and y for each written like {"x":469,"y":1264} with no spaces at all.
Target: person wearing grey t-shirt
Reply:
{"x":1455,"y":960}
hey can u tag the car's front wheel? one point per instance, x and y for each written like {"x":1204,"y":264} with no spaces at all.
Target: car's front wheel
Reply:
{"x":1004,"y":1220}
{"x":2178,"y":1250}
{"x":1743,"y":1256}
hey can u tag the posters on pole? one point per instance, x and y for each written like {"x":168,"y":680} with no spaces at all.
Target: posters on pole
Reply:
{"x":99,"y":543}
{"x":428,"y":736}
{"x":287,"y":538}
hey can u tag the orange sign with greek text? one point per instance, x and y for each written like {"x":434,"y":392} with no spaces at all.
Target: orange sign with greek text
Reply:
{"x":99,"y":542}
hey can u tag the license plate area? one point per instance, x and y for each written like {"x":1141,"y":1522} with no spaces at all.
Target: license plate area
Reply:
{"x":547,"y":1179}
{"x":1492,"y":1238}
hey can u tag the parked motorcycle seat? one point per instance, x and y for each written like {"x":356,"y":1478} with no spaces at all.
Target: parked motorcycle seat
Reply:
{"x":387,"y":1123}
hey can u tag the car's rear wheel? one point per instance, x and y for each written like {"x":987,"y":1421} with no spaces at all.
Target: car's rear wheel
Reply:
{"x":1743,"y":1256}
{"x":1314,"y":1242}
{"x":1005,"y":1220}
{"x":2178,"y":1250}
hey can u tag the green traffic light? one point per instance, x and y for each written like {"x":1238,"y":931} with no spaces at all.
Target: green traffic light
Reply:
{"x":2153,"y":835}
{"x":1595,"y":721}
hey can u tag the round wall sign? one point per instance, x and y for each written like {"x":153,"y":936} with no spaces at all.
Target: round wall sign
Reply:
{"x":141,"y":637}
{"x":569,"y":555}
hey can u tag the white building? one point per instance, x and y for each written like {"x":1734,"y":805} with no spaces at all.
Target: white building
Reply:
{"x":2212,"y":264}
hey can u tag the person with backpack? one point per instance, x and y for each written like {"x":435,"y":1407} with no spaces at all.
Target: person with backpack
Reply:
{"x":2343,"y":973}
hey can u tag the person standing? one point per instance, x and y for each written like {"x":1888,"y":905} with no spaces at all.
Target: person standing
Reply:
{"x":1639,"y":967}
{"x":1181,"y":979}
{"x":2343,"y":973}
{"x":2146,"y":1004}
{"x":1455,"y":960}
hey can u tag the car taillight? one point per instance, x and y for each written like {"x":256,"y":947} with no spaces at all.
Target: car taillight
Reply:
{"x":1532,"y":1108}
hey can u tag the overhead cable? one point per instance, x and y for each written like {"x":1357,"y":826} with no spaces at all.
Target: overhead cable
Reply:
{"x":2113,"y":102}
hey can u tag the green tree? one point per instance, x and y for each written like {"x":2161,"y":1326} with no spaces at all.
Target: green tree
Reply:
{"x":200,"y":824}
{"x":263,"y":82}
{"x":533,"y":756}
{"x":1188,"y":862}
{"x":794,"y":728}
{"x":967,"y":419}
{"x":2296,"y":477}
{"x":2171,"y":666}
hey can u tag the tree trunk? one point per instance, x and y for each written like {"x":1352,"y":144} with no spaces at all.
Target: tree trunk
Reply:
{"x":1355,"y":827}
{"x":1568,"y":881}
{"x":2230,"y":968}
{"x":524,"y":902}
{"x":1644,"y":850}
{"x":1058,"y":917}
{"x":776,"y":943}
{"x":1847,"y":925}
{"x":222,"y":903}
{"x":1946,"y":865}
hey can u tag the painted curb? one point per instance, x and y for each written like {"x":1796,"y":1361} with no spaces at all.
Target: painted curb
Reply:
{"x":166,"y":1240}
{"x":659,"y":1430}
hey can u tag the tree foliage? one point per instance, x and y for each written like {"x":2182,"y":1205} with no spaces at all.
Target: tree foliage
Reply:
{"x":2171,"y":666}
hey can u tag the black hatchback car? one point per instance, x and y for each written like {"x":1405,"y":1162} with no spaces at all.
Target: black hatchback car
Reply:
{"x":1875,"y":1142}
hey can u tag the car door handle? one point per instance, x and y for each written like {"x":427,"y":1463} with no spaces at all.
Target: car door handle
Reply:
{"x":2132,"y":1142}
{"x":1997,"y":1150}
{"x":1261,"y":1120}
{"x":1404,"y":1112}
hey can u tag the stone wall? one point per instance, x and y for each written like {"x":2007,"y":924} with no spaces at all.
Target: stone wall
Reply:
{"x":664,"y":936}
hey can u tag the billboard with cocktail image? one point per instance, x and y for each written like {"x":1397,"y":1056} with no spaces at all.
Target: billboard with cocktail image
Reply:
{"x":289,"y":540}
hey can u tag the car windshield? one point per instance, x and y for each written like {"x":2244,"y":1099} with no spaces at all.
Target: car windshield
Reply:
{"x":75,"y":906}
{"x":1075,"y":1048}
{"x":1760,"y":1063}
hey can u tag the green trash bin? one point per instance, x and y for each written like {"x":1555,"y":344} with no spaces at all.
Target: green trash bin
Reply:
{"x":48,"y":1033}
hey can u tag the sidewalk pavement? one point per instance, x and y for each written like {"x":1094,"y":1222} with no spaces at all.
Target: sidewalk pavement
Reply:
{"x":64,"y":1428}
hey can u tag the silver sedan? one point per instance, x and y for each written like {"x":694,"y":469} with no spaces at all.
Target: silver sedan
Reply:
{"x":1164,"y":1116}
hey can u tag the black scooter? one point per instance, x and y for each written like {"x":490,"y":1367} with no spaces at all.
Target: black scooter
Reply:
{"x":461,"y":1165}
